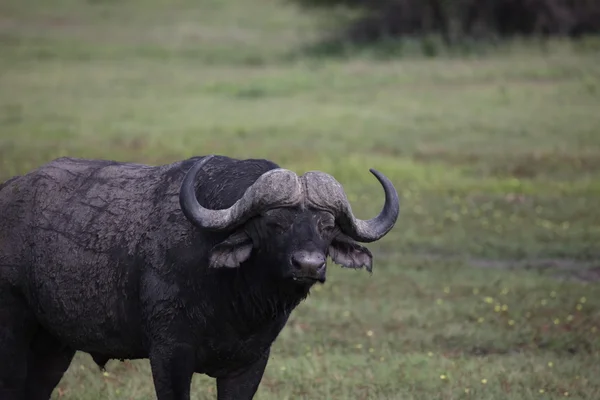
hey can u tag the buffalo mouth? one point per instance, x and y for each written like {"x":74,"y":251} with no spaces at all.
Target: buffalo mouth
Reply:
{"x":306,"y":279}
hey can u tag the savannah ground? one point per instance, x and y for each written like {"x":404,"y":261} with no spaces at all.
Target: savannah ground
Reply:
{"x":487,"y":287}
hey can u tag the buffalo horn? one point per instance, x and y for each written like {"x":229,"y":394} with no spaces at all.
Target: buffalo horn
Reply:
{"x":275,"y":188}
{"x":324,"y":192}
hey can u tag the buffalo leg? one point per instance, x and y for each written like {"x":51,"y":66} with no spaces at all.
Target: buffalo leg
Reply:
{"x":172,"y":370}
{"x":48,"y":361}
{"x":243,"y":385}
{"x":17,"y":326}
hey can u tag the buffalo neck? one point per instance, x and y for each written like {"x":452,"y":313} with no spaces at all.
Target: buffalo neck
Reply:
{"x":257,"y":298}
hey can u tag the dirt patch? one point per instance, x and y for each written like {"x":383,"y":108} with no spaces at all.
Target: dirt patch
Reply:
{"x":585,"y":275}
{"x":522,"y":166}
{"x":561,"y":268}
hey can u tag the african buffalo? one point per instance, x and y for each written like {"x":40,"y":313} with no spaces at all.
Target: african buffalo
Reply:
{"x":195,"y":265}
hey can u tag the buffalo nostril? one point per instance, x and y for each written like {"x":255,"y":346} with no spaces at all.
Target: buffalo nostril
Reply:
{"x":296,"y":263}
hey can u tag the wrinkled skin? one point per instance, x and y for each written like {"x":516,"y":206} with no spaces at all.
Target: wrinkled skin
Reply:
{"x":97,"y":256}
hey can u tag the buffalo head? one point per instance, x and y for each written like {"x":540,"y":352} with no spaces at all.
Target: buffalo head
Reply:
{"x":292,"y":223}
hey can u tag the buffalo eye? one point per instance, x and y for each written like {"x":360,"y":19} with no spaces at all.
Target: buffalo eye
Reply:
{"x":277,"y":225}
{"x":277,"y":220}
{"x":326,"y":225}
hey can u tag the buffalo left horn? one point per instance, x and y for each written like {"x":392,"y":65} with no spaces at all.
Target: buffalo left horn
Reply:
{"x":324,"y":192}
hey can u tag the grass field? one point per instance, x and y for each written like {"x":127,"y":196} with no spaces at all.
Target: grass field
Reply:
{"x":488,"y":286}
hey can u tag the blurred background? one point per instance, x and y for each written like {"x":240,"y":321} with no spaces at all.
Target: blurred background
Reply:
{"x":484,"y":113}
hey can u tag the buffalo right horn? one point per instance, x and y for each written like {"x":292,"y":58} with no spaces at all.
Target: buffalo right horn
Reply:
{"x":275,"y":188}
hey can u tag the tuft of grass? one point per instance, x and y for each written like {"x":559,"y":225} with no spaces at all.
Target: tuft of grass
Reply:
{"x":487,"y":286}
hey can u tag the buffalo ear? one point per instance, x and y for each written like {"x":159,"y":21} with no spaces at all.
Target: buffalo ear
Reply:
{"x":231,"y":252}
{"x":349,"y":254}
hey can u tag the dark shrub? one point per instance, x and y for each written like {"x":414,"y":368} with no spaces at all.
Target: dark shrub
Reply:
{"x":455,"y":19}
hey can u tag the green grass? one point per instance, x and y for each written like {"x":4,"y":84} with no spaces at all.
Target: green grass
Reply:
{"x":496,"y":157}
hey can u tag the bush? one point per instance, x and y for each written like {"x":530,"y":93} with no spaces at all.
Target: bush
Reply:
{"x":456,"y":19}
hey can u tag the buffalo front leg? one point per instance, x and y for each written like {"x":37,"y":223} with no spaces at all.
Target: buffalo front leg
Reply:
{"x":17,"y":327}
{"x":48,"y":361}
{"x":172,"y":370}
{"x":243,"y":385}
